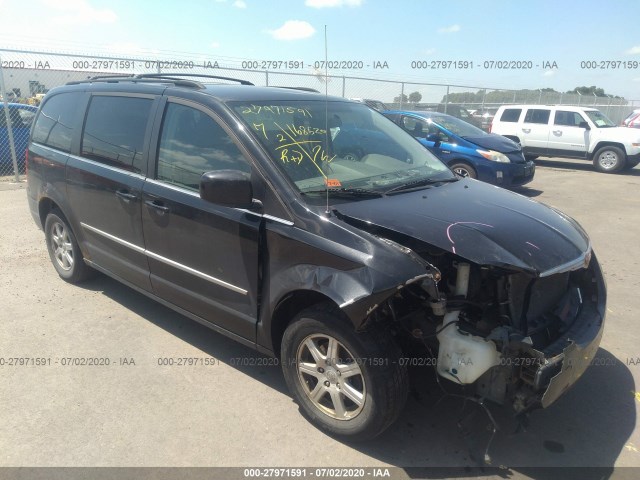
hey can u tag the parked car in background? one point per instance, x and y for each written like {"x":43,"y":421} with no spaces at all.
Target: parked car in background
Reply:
{"x":571,"y":132}
{"x":485,"y":115}
{"x":632,"y":120}
{"x":375,"y":104}
{"x":457,"y":111}
{"x":467,"y":150}
{"x":11,"y":97}
{"x":21,"y":117}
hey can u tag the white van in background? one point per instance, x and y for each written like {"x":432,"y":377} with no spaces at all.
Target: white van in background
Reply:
{"x":571,"y":132}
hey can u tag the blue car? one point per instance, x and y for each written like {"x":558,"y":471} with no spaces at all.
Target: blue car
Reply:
{"x":467,"y":150}
{"x":21,"y":117}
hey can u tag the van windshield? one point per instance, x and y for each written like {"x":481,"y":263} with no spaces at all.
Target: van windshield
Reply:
{"x":344,"y":146}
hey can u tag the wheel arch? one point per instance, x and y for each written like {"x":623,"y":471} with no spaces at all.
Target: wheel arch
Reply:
{"x":465,"y":161}
{"x":288,"y":307}
{"x":602,"y":144}
{"x":46,"y":205}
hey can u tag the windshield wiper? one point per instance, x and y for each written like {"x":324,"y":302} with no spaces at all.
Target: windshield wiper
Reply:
{"x":419,"y":184}
{"x":346,"y":192}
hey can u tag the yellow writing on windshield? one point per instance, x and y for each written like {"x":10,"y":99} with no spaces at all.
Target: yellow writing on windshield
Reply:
{"x":274,"y":109}
{"x":299,"y":152}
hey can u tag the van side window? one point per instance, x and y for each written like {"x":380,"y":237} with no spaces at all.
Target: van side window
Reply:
{"x":569,"y":119}
{"x":537,"y":115}
{"x":114,"y":131}
{"x":54,"y":126}
{"x":192,"y":143}
{"x":511,"y":115}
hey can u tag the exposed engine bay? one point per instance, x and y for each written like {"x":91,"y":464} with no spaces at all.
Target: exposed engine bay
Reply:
{"x":514,"y":338}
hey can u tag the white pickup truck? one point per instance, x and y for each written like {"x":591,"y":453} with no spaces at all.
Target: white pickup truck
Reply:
{"x":572,"y":132}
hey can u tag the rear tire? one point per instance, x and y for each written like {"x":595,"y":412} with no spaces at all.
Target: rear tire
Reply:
{"x":63,"y":249}
{"x":464,"y":170}
{"x":609,"y":160}
{"x":347,"y":383}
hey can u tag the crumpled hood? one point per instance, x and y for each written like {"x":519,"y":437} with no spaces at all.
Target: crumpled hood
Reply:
{"x":482,"y":223}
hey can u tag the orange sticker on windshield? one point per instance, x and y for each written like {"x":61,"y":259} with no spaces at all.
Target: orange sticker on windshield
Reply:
{"x":332,"y":182}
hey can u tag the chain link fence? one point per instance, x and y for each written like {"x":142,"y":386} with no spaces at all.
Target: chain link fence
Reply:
{"x":26,"y":76}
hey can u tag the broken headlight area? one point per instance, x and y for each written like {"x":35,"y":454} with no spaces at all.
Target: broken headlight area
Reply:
{"x":508,"y":336}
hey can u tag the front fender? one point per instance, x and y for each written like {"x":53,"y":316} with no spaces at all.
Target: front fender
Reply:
{"x":356,"y":275}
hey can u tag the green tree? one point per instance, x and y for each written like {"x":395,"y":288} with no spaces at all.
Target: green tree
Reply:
{"x":402,"y":98}
{"x":599,"y":92}
{"x":415,"y":97}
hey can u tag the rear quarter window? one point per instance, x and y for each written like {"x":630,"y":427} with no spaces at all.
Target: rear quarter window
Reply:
{"x":114,"y":131}
{"x":537,"y":115}
{"x":511,"y":115}
{"x":55,"y":124}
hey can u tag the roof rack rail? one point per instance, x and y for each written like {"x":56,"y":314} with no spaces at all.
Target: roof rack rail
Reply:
{"x":107,"y":77}
{"x":136,"y":79}
{"x":304,"y":89}
{"x":158,"y":78}
{"x":191,"y":75}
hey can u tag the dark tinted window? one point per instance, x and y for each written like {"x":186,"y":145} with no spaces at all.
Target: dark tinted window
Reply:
{"x":192,"y":143}
{"x":416,"y":127}
{"x":535,"y":115}
{"x":462,"y":113}
{"x":421,"y":128}
{"x":511,"y":115}
{"x":114,"y":131}
{"x":54,"y":126}
{"x":570,"y":119}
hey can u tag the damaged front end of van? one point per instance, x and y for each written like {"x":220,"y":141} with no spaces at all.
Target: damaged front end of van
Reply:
{"x":513,"y":300}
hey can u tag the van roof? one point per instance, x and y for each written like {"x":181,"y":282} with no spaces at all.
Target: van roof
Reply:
{"x":568,"y":107}
{"x":221,"y":91}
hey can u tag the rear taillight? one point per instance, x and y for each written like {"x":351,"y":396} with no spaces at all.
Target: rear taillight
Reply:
{"x":490,"y":127}
{"x":26,"y":162}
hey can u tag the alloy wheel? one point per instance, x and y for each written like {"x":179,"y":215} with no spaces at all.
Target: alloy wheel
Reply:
{"x":608,"y":159}
{"x":331,"y":377}
{"x":61,"y":246}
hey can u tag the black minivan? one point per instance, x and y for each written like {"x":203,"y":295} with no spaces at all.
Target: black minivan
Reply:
{"x":228,"y":204}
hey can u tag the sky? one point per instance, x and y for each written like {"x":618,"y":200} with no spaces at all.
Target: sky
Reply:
{"x":563,"y":33}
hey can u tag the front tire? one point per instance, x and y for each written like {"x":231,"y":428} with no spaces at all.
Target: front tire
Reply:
{"x":347,"y":383}
{"x":464,"y":170}
{"x":63,"y":249}
{"x":609,"y":160}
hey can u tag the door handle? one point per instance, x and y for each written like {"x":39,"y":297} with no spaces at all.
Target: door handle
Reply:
{"x":557,"y":132}
{"x":526,"y":130}
{"x":126,"y":196}
{"x":157,"y":206}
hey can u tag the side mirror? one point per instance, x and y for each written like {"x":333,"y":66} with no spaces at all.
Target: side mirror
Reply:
{"x":434,"y":137}
{"x":229,"y":188}
{"x":584,"y":125}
